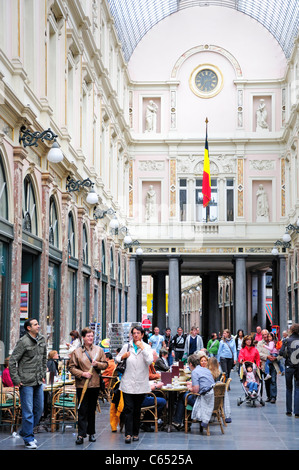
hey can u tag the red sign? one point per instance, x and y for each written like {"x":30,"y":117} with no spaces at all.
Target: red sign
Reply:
{"x":146,"y":323}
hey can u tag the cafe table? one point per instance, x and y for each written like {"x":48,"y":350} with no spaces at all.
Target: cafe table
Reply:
{"x":172,"y":392}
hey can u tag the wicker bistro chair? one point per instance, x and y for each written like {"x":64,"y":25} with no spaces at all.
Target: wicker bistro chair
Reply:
{"x":64,"y":407}
{"x":219,"y":390}
{"x":108,"y":392}
{"x":149,"y":414}
{"x":10,"y":407}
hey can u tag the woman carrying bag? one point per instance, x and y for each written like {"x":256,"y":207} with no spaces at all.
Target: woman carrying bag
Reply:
{"x":227,"y":353}
{"x":135,"y":380}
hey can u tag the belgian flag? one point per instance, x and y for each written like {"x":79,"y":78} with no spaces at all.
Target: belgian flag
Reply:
{"x":206,"y":180}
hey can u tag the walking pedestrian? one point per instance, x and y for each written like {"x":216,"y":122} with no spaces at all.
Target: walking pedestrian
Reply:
{"x":290,"y":350}
{"x":82,"y":359}
{"x":134,"y":383}
{"x":271,"y":384}
{"x":28,"y":367}
{"x":227,"y":353}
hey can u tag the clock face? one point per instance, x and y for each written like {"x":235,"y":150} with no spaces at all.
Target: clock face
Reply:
{"x":206,"y":81}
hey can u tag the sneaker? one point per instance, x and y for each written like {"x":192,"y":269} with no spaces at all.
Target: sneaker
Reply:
{"x":30,"y":445}
{"x":177,"y":426}
{"x":268,"y":376}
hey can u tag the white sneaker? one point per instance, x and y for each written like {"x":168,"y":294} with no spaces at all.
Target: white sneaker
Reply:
{"x":268,"y":376}
{"x":30,"y":445}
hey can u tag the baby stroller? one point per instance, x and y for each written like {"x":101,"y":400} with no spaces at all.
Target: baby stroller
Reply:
{"x":251,"y":397}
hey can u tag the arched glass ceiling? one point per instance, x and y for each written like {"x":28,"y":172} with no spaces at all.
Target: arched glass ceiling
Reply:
{"x":134,"y":18}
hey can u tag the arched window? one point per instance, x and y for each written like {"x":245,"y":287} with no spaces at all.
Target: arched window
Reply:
{"x":111,"y":263}
{"x":29,"y":207}
{"x":85,"y":245}
{"x":3,"y":192}
{"x":53,"y":224}
{"x":103,"y":263}
{"x":71,"y":236}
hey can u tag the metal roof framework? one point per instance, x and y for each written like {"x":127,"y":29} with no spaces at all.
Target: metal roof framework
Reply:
{"x":134,"y":18}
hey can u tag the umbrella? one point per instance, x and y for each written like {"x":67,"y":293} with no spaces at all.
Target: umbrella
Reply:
{"x":86,"y":384}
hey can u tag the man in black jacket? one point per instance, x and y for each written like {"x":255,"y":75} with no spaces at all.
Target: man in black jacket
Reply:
{"x":290,"y":350}
{"x":27,"y":367}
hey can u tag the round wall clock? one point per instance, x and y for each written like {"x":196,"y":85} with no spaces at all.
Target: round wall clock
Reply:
{"x":206,"y":81}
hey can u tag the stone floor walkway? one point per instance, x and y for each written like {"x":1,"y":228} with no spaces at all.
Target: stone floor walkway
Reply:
{"x":259,"y":428}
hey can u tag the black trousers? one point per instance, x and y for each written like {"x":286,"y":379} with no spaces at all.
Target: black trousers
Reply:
{"x":226,"y":365}
{"x":132,"y":408}
{"x":87,"y":411}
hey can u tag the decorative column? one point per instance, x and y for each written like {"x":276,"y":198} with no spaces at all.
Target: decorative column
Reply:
{"x":132,"y":304}
{"x":174,"y":296}
{"x":46,"y":186}
{"x":80,"y":285}
{"x":19,"y":154}
{"x":261,"y":312}
{"x":282,"y":320}
{"x":159,"y":301}
{"x":65,"y":202}
{"x":240,"y":304}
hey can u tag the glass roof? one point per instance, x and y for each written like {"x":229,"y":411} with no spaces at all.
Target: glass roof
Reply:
{"x":134,"y":18}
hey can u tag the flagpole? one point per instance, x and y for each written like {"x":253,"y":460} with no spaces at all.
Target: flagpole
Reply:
{"x":208,"y":206}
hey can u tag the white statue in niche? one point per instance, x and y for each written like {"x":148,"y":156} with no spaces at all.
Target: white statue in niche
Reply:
{"x":262,"y":206}
{"x":150,"y":204}
{"x":261,"y":117}
{"x":151,"y":117}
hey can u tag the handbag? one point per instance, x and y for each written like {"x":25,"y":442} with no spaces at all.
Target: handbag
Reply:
{"x":121,"y":366}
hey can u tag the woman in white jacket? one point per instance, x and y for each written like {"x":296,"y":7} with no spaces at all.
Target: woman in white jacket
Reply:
{"x":135,"y":380}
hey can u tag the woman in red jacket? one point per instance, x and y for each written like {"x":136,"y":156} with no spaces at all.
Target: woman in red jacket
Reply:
{"x":249,"y":352}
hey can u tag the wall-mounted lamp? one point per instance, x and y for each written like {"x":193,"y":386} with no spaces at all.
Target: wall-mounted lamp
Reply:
{"x":100,"y":213}
{"x":76,"y":185}
{"x":30,"y":139}
{"x":286,"y":239}
{"x":284,"y":243}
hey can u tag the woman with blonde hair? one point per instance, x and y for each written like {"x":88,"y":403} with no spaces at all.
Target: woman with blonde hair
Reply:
{"x":213,"y":365}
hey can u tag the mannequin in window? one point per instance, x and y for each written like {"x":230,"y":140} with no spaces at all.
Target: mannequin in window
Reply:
{"x":151,"y":117}
{"x":262,"y":206}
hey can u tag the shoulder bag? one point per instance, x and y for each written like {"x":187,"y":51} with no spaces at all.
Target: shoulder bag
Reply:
{"x":121,"y":366}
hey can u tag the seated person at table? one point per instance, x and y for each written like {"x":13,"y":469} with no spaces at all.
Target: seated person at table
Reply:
{"x":153,"y":374}
{"x":110,"y":369}
{"x":149,"y":400}
{"x":202,"y":383}
{"x":6,"y":379}
{"x":161,"y":363}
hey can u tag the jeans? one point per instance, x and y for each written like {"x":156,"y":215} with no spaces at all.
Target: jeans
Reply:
{"x":290,"y":376}
{"x":32,"y":404}
{"x":150,"y":401}
{"x":252,"y":387}
{"x":271,"y":384}
{"x":180,"y":406}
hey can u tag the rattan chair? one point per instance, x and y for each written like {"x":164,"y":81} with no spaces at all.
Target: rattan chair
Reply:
{"x":219,"y":391}
{"x":64,"y":408}
{"x":149,"y":414}
{"x":10,"y":407}
{"x":107,"y":393}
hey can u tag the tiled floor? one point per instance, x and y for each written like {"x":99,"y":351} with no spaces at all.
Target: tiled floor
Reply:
{"x":259,"y":428}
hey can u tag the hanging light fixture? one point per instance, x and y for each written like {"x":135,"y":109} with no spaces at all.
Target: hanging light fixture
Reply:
{"x":76,"y":185}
